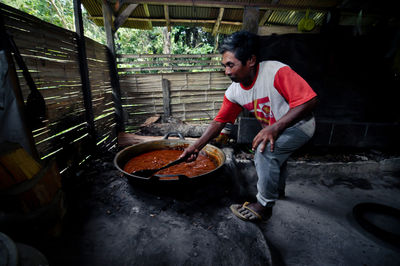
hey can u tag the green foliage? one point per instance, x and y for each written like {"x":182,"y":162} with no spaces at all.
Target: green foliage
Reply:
{"x":184,"y":40}
{"x":59,"y":13}
{"x":191,"y":40}
{"x":134,"y":41}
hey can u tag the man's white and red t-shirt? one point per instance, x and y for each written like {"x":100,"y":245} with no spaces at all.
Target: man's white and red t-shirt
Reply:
{"x":275,"y":90}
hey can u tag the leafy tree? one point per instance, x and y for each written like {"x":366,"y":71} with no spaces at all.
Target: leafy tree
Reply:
{"x":184,"y":40}
{"x":59,"y":13}
{"x":134,"y":41}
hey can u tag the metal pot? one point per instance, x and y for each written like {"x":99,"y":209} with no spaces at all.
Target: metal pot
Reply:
{"x":128,"y":153}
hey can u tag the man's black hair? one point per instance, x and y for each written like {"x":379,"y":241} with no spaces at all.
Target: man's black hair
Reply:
{"x":242,"y":44}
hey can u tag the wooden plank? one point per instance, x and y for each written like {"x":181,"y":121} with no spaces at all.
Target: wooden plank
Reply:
{"x":169,"y":68}
{"x":34,"y":48}
{"x":166,"y":98}
{"x":138,"y":56}
{"x":19,"y":30}
{"x":198,"y":99}
{"x":169,"y":62}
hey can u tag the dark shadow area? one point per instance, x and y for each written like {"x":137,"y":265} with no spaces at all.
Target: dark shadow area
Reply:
{"x":353,"y":75}
{"x":380,"y":220}
{"x":112,"y":220}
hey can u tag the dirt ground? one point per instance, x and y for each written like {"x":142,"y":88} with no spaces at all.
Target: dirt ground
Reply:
{"x":113,"y":221}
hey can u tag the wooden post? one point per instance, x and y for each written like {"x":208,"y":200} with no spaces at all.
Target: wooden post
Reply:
{"x":250,"y":19}
{"x":250,"y":23}
{"x":84,"y":71}
{"x":166,"y":99}
{"x":107,"y":16}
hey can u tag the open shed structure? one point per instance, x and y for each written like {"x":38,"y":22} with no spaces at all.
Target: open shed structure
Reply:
{"x":65,"y":98}
{"x":91,"y":92}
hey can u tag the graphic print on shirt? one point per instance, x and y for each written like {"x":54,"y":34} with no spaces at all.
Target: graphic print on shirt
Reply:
{"x":261,"y":109}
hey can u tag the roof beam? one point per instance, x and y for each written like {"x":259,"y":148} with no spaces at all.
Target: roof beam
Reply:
{"x":226,"y":4}
{"x":205,"y":21}
{"x":269,"y":30}
{"x":219,"y":19}
{"x":265,"y":17}
{"x":147,"y":12}
{"x":167,"y":21}
{"x":120,"y":20}
{"x":267,"y":13}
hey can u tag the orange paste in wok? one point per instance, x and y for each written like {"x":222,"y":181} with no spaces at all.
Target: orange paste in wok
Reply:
{"x":158,"y":158}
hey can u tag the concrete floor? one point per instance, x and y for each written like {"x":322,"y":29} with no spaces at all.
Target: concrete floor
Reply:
{"x":110,"y":222}
{"x":315,"y":225}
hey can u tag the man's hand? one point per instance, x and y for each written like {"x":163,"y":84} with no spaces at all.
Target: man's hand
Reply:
{"x":267,"y":134}
{"x":271,"y":133}
{"x":213,"y":130}
{"x":190,"y":153}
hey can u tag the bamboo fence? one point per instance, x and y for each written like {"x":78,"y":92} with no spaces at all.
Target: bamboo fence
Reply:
{"x":51,"y":56}
{"x":187,"y":87}
{"x":196,"y":86}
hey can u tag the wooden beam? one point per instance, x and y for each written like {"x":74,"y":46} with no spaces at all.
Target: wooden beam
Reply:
{"x":228,"y":4}
{"x":84,"y":72}
{"x":204,"y":21}
{"x":267,"y":13}
{"x":120,"y":20}
{"x":166,"y":99}
{"x":265,"y":17}
{"x":116,"y":90}
{"x":269,"y":30}
{"x":166,"y":14}
{"x":169,"y":56}
{"x":147,"y":12}
{"x":219,"y":19}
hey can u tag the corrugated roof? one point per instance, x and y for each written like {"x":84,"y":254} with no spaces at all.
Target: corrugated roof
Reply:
{"x":204,"y":13}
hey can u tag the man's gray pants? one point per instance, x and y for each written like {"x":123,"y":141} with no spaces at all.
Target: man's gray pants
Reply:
{"x":271,"y":166}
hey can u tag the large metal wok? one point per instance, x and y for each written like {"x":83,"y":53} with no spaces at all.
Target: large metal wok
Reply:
{"x":130,"y":152}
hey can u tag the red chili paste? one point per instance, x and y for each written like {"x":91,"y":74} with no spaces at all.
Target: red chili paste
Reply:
{"x":158,"y":158}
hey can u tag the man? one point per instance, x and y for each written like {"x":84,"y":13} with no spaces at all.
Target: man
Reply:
{"x":282,"y":102}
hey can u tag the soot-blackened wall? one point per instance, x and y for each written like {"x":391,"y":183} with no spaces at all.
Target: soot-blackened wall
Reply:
{"x":355,"y":78}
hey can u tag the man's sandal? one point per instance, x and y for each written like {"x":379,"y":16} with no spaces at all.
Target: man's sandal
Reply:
{"x":245,"y":213}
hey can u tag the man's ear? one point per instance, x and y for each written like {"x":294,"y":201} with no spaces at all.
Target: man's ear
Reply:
{"x":252,"y":61}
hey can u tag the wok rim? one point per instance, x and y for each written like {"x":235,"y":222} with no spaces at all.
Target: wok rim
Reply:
{"x":220,"y":161}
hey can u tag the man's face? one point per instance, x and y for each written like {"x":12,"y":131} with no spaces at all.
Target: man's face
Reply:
{"x":234,"y":68}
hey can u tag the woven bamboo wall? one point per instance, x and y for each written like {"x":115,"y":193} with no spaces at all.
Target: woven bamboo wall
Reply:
{"x":196,"y":84}
{"x":166,"y":63}
{"x":50,"y":54}
{"x":194,"y":97}
{"x":103,"y":105}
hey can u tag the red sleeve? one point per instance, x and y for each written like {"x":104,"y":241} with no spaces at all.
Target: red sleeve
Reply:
{"x":292,"y":87}
{"x":228,"y":112}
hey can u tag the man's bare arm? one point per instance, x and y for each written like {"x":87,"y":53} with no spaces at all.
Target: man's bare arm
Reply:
{"x":211,"y":132}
